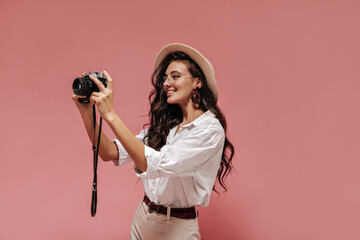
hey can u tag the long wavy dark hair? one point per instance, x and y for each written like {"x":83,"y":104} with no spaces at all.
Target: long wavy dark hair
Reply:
{"x":164,"y":116}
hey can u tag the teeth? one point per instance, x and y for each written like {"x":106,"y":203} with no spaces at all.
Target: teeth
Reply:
{"x":170,"y":91}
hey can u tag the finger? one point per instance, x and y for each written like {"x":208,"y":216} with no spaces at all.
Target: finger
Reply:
{"x":83,"y":74}
{"x":94,"y":99}
{"x":77,"y":97}
{"x":96,"y":94}
{"x":98,"y":83}
{"x":109,"y":80}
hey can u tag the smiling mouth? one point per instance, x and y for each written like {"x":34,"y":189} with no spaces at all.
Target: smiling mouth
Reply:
{"x":169,"y":93}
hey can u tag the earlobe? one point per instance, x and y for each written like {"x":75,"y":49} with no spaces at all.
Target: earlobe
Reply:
{"x":198,"y":83}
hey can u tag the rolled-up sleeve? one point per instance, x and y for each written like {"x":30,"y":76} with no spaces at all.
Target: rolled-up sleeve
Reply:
{"x":123,"y":155}
{"x":186,"y":155}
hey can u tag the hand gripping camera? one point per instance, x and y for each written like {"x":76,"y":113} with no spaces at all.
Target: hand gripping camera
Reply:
{"x":84,"y":86}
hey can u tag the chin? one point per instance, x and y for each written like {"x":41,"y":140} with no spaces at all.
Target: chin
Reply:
{"x":173,"y":100}
{"x":176,"y":101}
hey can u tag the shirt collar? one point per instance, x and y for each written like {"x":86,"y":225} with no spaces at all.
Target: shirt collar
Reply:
{"x":203,"y":117}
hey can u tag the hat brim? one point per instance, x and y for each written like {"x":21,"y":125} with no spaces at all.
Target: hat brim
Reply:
{"x":195,"y":55}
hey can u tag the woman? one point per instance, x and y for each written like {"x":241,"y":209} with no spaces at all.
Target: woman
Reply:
{"x":182,"y":150}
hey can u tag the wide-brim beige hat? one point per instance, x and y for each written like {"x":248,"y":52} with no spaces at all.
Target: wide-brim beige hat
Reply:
{"x":195,"y":55}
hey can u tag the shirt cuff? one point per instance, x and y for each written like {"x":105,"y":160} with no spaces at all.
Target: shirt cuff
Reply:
{"x":153,"y":159}
{"x":123,"y":155}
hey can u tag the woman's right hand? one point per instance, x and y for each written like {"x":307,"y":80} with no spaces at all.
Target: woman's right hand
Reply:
{"x":84,"y":108}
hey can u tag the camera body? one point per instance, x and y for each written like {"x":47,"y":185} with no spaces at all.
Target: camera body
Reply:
{"x":84,"y":86}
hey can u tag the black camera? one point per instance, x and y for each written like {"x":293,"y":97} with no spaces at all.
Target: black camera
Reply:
{"x":84,"y":86}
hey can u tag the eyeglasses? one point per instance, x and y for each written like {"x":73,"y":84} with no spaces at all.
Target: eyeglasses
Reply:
{"x":171,"y":79}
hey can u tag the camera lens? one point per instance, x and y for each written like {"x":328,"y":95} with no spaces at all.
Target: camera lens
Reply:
{"x":84,"y":86}
{"x":77,"y":86}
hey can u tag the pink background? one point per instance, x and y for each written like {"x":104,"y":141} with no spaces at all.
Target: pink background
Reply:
{"x":288,"y":76}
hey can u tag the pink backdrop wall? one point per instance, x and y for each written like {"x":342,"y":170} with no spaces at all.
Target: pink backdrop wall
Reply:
{"x":288,"y":76}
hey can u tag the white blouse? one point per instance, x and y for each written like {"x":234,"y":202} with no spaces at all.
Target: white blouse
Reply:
{"x":183,"y":172}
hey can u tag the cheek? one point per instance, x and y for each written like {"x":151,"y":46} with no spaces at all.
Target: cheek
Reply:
{"x":183,"y":87}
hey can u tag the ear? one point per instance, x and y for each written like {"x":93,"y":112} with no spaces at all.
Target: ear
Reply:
{"x":198,"y":83}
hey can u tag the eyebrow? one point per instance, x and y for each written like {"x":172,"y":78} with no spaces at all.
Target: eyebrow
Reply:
{"x":172,"y":72}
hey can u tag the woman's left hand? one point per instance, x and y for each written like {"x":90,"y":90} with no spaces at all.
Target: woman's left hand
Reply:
{"x":104,"y":98}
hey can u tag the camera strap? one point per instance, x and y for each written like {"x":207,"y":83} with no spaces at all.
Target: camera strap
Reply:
{"x":95,"y":163}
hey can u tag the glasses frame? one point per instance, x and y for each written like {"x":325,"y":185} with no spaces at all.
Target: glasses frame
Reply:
{"x":162,"y":79}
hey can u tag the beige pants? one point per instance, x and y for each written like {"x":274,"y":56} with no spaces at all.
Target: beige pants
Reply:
{"x":155,"y":226}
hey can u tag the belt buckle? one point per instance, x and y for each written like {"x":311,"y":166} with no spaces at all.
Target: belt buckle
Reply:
{"x":150,"y":210}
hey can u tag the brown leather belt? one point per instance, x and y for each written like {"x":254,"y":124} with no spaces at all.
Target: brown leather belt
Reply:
{"x":186,"y":213}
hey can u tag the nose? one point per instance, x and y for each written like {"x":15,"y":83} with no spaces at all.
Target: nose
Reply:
{"x":167,"y":83}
